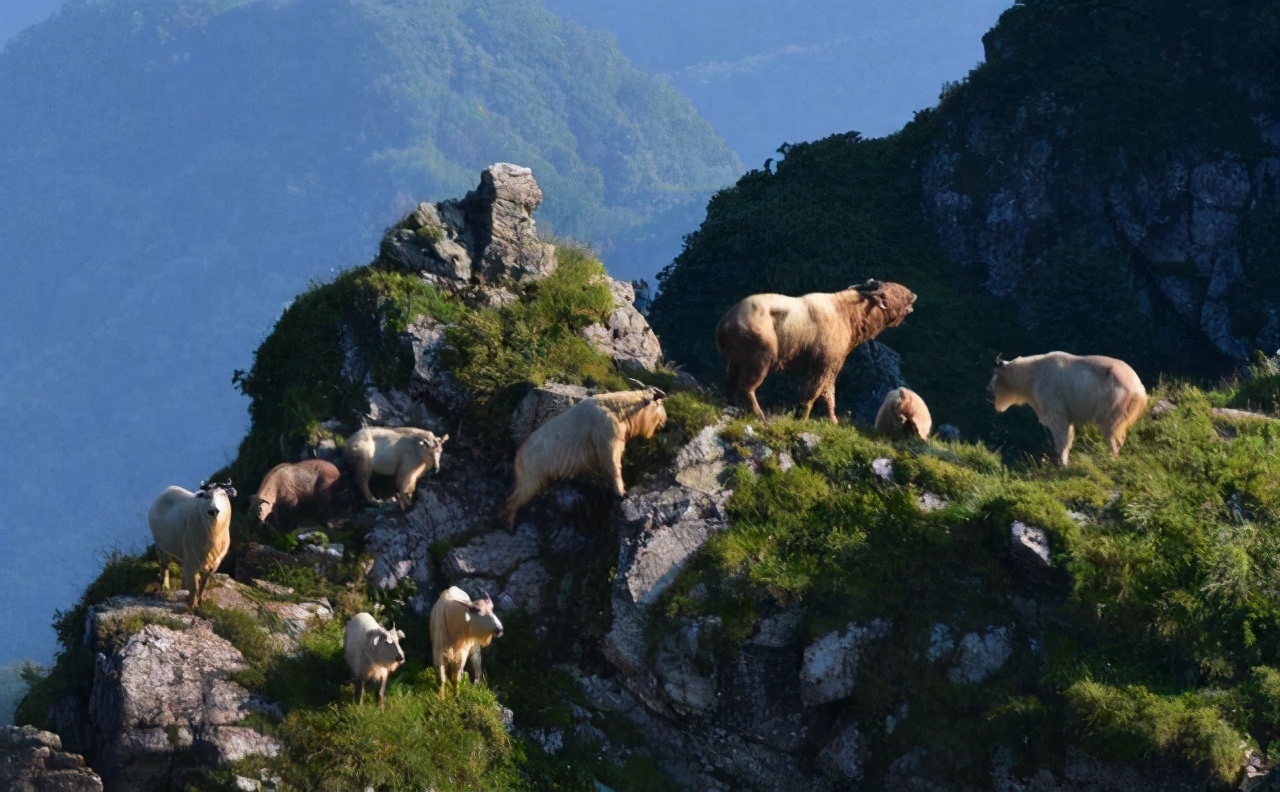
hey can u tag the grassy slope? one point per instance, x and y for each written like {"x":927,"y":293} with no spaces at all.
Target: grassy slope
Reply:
{"x":1156,"y":636}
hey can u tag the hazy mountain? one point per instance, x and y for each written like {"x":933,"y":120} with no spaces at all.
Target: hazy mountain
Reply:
{"x":764,"y":72}
{"x":174,"y":172}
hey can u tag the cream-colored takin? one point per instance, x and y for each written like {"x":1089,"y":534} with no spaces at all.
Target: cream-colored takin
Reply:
{"x":587,"y":438}
{"x":194,"y":529}
{"x":460,"y":628}
{"x":1066,"y":389}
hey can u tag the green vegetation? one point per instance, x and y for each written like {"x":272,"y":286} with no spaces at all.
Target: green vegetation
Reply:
{"x":1157,"y":635}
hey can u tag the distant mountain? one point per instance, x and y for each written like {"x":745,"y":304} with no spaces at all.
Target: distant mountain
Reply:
{"x":175,"y":171}
{"x":765,"y":72}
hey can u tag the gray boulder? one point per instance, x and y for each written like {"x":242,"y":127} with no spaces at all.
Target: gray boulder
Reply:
{"x":32,"y":760}
{"x":626,"y":336}
{"x":831,"y":662}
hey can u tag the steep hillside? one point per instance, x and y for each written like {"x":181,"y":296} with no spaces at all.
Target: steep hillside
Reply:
{"x":1106,"y":182}
{"x":791,"y":605}
{"x":175,"y":172}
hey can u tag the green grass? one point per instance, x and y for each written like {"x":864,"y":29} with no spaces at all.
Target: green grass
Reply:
{"x":1160,"y":620}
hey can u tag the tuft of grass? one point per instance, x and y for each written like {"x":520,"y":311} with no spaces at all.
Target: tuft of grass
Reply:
{"x":416,"y":741}
{"x":1131,"y":722}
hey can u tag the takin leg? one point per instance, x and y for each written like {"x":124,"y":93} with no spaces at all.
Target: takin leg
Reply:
{"x":364,"y":469}
{"x":829,"y":396}
{"x":164,"y":569}
{"x":1064,"y":435}
{"x":406,"y":483}
{"x":189,"y":583}
{"x":752,"y":377}
{"x":474,"y":663}
{"x":382,"y":691}
{"x":359,"y":691}
{"x":444,"y":674}
{"x":615,"y":465}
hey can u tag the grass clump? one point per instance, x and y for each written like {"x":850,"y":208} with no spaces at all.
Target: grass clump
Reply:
{"x":538,"y":336}
{"x":1131,"y":722}
{"x":416,"y":741}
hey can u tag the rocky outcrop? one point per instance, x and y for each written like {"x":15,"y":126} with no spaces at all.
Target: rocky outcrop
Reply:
{"x":626,"y":336}
{"x":486,"y":237}
{"x":32,"y":760}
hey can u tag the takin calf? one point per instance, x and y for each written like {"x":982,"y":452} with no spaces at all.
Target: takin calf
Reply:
{"x":904,"y":414}
{"x":405,"y":453}
{"x":295,"y":490}
{"x":372,"y":653}
{"x":1065,"y":390}
{"x":589,"y":437}
{"x":193,"y":528}
{"x":811,"y":335}
{"x":459,"y":628}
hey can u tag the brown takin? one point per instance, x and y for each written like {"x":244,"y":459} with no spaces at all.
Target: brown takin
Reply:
{"x":459,"y":629}
{"x":1066,"y":389}
{"x":904,"y":414}
{"x":293,"y":491}
{"x":810,"y":335}
{"x":587,"y":438}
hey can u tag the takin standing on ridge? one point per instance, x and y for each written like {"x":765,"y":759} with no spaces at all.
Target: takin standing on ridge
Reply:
{"x":811,"y":335}
{"x":372,"y":653}
{"x":405,"y":453}
{"x":459,"y":629}
{"x":589,"y":437}
{"x":904,"y":414}
{"x":193,"y":528}
{"x":1066,"y":389}
{"x":293,"y":490}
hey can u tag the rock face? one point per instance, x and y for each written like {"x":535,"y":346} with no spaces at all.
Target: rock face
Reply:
{"x":1173,"y":228}
{"x":33,"y":761}
{"x":162,"y":696}
{"x":485,"y":237}
{"x":626,"y":336}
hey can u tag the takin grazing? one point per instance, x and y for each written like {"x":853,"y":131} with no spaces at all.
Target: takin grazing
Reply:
{"x":294,"y":490}
{"x":459,"y":629}
{"x":405,"y":453}
{"x":372,"y":653}
{"x":1066,"y":389}
{"x":193,"y":528}
{"x":810,"y":335}
{"x":587,"y":438}
{"x":904,"y":414}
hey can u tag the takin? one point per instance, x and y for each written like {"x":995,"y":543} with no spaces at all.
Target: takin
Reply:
{"x":372,"y":653}
{"x":1066,"y":389}
{"x":810,"y":335}
{"x":405,"y":453}
{"x":904,"y":414}
{"x":587,"y":438}
{"x":459,"y":629}
{"x":295,"y":490}
{"x":193,"y":528}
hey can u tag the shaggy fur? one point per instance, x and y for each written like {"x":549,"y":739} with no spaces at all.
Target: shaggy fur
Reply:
{"x":904,"y":414}
{"x":193,"y":528}
{"x":372,"y":653}
{"x":810,"y":335}
{"x":405,"y":453}
{"x":295,"y":490}
{"x":1065,"y":390}
{"x":459,"y":629}
{"x":589,"y":437}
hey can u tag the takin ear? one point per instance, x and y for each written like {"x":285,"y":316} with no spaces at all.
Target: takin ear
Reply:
{"x":400,"y":634}
{"x":378,"y":638}
{"x":444,"y":439}
{"x":1000,"y":361}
